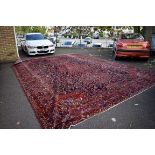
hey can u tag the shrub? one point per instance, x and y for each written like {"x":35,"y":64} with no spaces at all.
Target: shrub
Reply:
{"x":101,"y":34}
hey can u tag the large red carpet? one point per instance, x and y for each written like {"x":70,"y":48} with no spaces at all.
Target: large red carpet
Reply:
{"x":64,"y":90}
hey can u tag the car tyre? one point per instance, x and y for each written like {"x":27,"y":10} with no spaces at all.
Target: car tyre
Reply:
{"x":115,"y":56}
{"x":22,"y":48}
{"x":146,"y":59}
{"x":27,"y":53}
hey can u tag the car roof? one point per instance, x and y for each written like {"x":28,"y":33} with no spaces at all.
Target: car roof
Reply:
{"x":82,"y":43}
{"x":69,"y":41}
{"x":97,"y":43}
{"x":32,"y":33}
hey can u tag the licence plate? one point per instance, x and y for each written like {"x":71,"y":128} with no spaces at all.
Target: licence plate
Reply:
{"x":133,"y":47}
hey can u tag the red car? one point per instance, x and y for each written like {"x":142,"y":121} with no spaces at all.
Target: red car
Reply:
{"x":131,"y":45}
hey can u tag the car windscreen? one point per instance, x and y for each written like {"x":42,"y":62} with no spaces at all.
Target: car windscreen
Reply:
{"x":132,"y":36}
{"x":34,"y":37}
{"x":67,"y":43}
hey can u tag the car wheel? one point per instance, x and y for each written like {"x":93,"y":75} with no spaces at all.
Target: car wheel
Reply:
{"x":115,"y":56}
{"x":26,"y":51}
{"x":146,"y":59}
{"x":22,"y":49}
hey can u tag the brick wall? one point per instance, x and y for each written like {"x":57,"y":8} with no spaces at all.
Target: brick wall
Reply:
{"x":8,"y":51}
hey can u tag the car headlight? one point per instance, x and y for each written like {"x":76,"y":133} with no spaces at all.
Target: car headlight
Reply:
{"x":31,"y":47}
{"x":51,"y":45}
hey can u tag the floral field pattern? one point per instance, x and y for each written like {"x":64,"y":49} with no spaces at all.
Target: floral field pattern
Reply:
{"x":66,"y":89}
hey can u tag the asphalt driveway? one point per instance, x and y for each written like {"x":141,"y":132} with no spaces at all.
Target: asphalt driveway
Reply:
{"x":15,"y":110}
{"x":103,"y":53}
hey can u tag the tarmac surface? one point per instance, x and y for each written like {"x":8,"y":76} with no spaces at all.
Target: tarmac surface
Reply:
{"x":137,"y":112}
{"x":15,"y":110}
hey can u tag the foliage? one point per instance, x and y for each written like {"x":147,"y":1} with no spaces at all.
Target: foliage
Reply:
{"x":29,"y":29}
{"x":101,"y":34}
{"x":77,"y":31}
{"x":81,"y":30}
{"x":65,"y":35}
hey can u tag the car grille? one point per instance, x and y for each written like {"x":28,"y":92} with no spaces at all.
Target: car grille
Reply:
{"x":43,"y":51}
{"x":41,"y":47}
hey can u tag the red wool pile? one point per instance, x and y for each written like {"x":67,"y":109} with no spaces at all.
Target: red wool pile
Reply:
{"x":64,"y":90}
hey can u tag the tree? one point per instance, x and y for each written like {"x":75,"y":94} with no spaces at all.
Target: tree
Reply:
{"x":105,"y":28}
{"x":28,"y":29}
{"x":41,"y":29}
{"x":22,"y":29}
{"x":136,"y":29}
{"x":56,"y":30}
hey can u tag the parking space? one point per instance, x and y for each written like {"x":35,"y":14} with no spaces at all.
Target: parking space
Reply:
{"x":103,"y":53}
{"x":105,"y":42}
